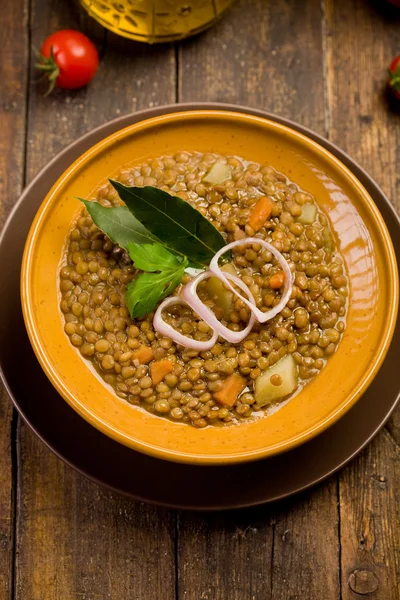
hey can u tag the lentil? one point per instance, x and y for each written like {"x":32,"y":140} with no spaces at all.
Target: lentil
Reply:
{"x":95,"y":272}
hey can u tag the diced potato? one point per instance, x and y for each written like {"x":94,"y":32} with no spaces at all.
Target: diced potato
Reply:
{"x":328,"y":239}
{"x":308,"y":214}
{"x":284,"y":373}
{"x":219,"y":293}
{"x":218,"y":173}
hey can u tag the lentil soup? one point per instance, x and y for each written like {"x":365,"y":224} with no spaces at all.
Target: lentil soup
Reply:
{"x":274,"y":361}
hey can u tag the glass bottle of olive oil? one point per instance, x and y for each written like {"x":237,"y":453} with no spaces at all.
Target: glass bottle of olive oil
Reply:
{"x":156,"y":20}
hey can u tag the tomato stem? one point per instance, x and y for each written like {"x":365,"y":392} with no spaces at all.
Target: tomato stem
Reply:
{"x":48,"y":66}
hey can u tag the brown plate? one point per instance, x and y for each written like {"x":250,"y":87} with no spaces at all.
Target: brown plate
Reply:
{"x":138,"y":475}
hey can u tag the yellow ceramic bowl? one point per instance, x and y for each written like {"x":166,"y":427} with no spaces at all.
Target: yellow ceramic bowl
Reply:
{"x":364,"y":243}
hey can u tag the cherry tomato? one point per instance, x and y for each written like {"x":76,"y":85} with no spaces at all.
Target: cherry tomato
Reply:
{"x":69,"y":59}
{"x":394,"y":76}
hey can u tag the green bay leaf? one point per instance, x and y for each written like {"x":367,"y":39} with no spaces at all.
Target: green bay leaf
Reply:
{"x":163,"y":273}
{"x":119,"y":224}
{"x":178,"y":225}
{"x":154,"y":257}
{"x":148,"y":289}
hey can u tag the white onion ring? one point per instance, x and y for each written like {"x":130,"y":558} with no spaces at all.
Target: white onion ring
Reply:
{"x":189,"y":294}
{"x":165,"y":329}
{"x":262,"y":317}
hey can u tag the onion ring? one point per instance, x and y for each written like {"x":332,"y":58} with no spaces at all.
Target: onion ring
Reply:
{"x":165,"y":329}
{"x":261,"y":316}
{"x":189,"y":294}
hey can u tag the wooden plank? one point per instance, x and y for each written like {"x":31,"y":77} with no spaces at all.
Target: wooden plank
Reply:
{"x":224,"y":556}
{"x":13,"y":67}
{"x":7,"y":504}
{"x":393,"y":426}
{"x":262,"y":54}
{"x":362,"y":38}
{"x":306,"y":546}
{"x":288,"y":550}
{"x":76,"y":540}
{"x":370,"y":517}
{"x":131,"y":76}
{"x":269,"y":56}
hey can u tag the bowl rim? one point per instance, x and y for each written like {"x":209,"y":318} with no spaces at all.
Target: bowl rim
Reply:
{"x":176,"y":455}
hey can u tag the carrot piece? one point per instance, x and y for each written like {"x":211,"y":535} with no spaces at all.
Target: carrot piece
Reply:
{"x":233,"y":386}
{"x":277,"y":280}
{"x":159,"y":369}
{"x":260,"y":213}
{"x":144,"y":354}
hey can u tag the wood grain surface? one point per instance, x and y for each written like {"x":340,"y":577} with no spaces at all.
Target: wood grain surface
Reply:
{"x":13,"y":104}
{"x":62,"y":537}
{"x":75,"y":540}
{"x":361,"y":37}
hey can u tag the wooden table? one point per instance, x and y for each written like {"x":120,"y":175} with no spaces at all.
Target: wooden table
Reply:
{"x":319,"y":62}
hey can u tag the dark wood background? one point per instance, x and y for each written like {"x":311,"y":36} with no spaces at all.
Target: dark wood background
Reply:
{"x":319,"y":62}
